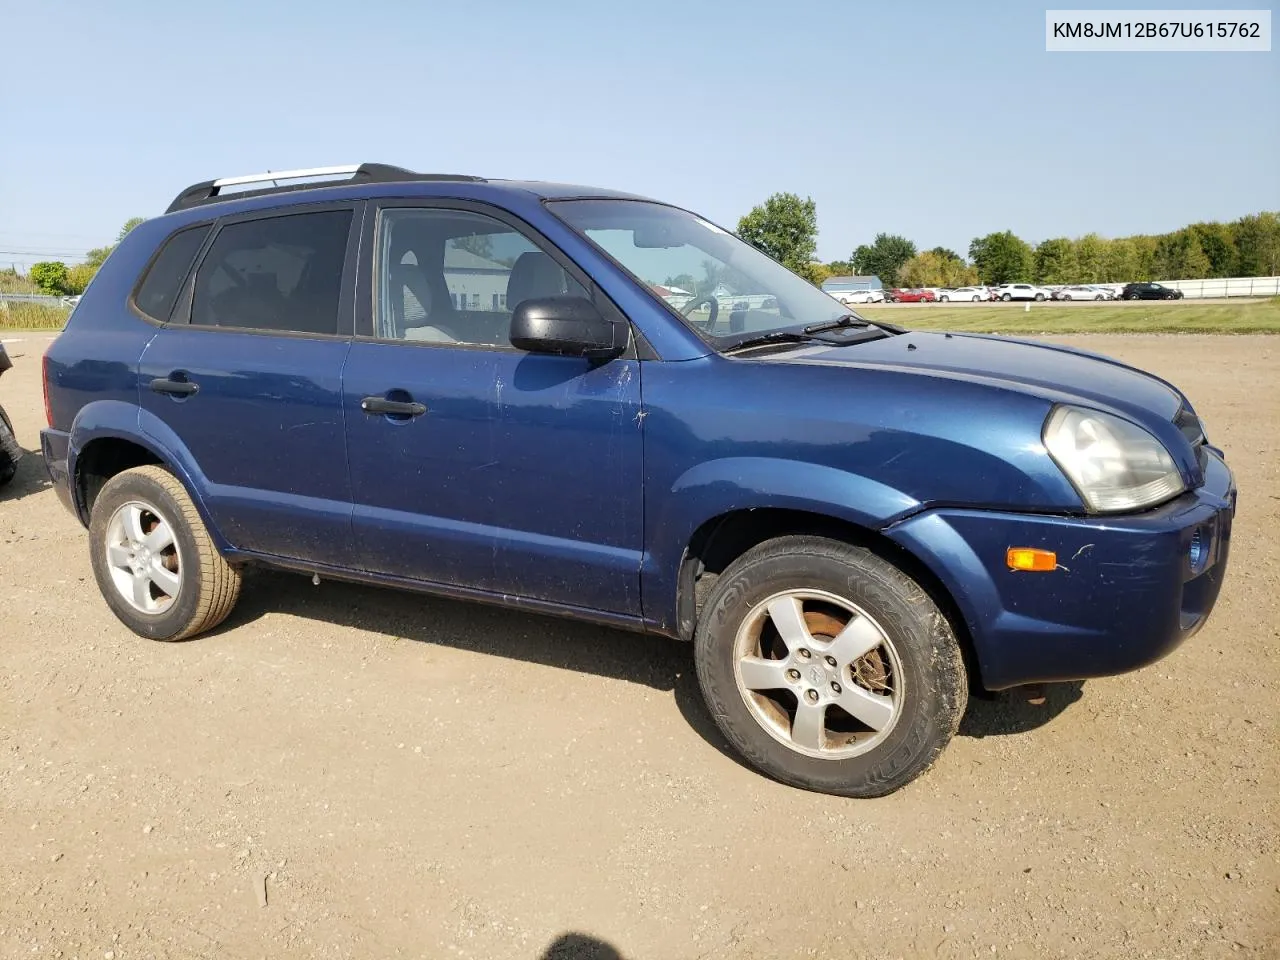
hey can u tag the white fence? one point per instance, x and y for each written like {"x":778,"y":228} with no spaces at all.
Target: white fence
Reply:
{"x":1226,"y":287}
{"x":33,"y":298}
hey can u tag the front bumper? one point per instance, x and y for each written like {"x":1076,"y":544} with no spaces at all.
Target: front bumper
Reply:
{"x":1126,"y":592}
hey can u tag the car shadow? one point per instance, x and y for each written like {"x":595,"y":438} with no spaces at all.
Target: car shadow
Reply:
{"x":1018,"y":710}
{"x":31,"y":477}
{"x":660,"y":663}
{"x":580,"y":946}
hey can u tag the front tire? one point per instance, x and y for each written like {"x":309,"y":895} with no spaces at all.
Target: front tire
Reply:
{"x":945,"y":299}
{"x":153,"y":559}
{"x":828,"y":668}
{"x":1039,"y":297}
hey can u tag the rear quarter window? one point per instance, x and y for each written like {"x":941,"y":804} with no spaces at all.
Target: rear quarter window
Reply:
{"x":158,"y":291}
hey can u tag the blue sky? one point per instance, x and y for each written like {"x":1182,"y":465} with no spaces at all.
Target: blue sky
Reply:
{"x":940,"y":121}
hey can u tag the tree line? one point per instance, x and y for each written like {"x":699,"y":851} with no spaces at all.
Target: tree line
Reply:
{"x":786,"y":228}
{"x":57,"y":279}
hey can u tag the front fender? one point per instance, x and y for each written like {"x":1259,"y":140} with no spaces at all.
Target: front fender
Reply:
{"x":717,"y":487}
{"x":117,"y":420}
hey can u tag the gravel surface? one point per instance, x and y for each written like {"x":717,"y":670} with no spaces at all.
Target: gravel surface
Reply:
{"x":352,"y":772}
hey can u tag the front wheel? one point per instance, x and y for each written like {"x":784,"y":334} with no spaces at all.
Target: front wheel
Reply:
{"x":153,"y":559}
{"x":945,"y":299}
{"x":829,"y":668}
{"x":1039,"y":297}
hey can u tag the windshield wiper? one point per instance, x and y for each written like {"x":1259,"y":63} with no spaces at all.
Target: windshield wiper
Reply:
{"x":776,"y":336}
{"x":845,"y":320}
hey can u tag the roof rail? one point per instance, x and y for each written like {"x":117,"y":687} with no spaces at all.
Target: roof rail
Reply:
{"x":210,"y":191}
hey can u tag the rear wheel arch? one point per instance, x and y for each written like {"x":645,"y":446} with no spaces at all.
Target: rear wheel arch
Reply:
{"x":101,"y":459}
{"x":724,"y":538}
{"x":107,"y":455}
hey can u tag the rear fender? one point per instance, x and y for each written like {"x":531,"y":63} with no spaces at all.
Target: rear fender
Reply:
{"x":116,"y":419}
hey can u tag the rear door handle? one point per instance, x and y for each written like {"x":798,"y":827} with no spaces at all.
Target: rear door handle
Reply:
{"x":176,"y":388}
{"x":394,"y":408}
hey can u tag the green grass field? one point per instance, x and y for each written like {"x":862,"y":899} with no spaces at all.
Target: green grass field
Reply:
{"x":1182,"y":316}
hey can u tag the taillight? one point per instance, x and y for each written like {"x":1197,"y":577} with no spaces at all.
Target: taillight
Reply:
{"x":44,"y":379}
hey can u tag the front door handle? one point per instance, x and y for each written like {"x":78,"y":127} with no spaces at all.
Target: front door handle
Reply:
{"x":176,"y":388}
{"x":393,"y":408}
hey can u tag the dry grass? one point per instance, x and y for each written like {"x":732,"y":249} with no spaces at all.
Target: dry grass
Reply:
{"x":15,"y":315}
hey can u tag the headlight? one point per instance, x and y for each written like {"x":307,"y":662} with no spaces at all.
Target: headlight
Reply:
{"x":1115,"y":465}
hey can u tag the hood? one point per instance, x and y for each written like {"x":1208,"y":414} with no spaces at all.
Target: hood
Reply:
{"x":1058,"y":374}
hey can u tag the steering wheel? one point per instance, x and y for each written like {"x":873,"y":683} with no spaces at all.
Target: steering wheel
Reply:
{"x":696,"y":302}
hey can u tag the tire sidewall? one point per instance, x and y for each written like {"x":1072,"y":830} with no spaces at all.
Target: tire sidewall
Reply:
{"x":8,"y":463}
{"x":924,"y":719}
{"x":173,"y":621}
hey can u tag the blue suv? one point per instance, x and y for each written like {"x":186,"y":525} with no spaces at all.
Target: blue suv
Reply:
{"x":580,"y":402}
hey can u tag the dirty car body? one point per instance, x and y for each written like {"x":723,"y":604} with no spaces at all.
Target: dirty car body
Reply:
{"x":441,"y":431}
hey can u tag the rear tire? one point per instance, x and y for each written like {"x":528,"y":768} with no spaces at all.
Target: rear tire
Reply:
{"x":1006,"y":297}
{"x":845,"y":619}
{"x":154,"y":561}
{"x":10,"y":451}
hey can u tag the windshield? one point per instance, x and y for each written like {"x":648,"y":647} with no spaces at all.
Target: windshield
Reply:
{"x":725,"y":289}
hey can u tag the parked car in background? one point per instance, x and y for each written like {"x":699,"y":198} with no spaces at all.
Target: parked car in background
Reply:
{"x":1023,"y":291}
{"x":915,"y":295}
{"x":318,"y":379}
{"x":1080,"y":291}
{"x":1149,"y":291}
{"x":851,"y":297}
{"x":963,"y":293}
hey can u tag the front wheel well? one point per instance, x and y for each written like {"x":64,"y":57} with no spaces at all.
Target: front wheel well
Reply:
{"x":721,"y":540}
{"x":101,"y":460}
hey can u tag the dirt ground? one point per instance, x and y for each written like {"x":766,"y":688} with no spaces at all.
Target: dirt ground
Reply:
{"x":422,"y":778}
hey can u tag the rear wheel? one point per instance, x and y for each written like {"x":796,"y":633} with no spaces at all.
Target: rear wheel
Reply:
{"x":153,"y":559}
{"x":974,"y":299}
{"x":10,"y":452}
{"x":1006,"y":297}
{"x":828,"y":668}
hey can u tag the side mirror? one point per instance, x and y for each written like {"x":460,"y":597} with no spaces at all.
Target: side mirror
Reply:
{"x":567,"y":326}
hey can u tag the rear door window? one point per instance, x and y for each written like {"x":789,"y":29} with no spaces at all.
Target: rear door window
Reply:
{"x":159,"y":289}
{"x":276,"y":274}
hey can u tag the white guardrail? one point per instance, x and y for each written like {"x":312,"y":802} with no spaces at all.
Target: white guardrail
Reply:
{"x":36,"y":298}
{"x":1226,"y":287}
